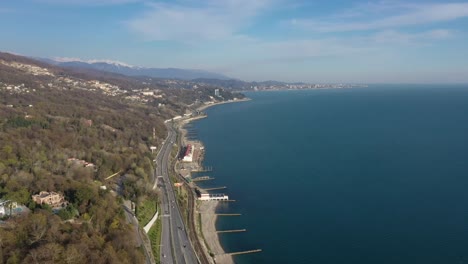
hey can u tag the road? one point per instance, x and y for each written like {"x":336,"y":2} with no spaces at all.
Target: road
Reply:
{"x":175,"y":245}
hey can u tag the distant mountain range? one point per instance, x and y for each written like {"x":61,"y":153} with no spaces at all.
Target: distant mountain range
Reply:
{"x":180,"y":78}
{"x":124,"y":69}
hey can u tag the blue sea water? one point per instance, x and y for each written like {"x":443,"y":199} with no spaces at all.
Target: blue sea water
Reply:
{"x":362,"y":175}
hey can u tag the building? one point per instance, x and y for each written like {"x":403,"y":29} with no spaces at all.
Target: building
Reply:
{"x":81,"y":162}
{"x":51,"y":198}
{"x":147,"y":93}
{"x":6,"y":206}
{"x":213,"y":197}
{"x":216,"y":92}
{"x":188,"y":155}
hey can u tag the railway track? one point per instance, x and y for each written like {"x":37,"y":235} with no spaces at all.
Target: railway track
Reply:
{"x":192,"y":229}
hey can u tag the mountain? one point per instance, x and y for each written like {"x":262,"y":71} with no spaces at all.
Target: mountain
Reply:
{"x":121,"y":68}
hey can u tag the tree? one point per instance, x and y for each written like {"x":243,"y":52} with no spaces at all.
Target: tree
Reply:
{"x":36,"y":227}
{"x":1,"y":250}
{"x":21,"y":195}
{"x":73,"y":255}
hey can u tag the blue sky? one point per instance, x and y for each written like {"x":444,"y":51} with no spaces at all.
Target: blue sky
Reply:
{"x":286,"y":40}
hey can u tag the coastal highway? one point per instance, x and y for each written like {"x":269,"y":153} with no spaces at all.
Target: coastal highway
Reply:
{"x":175,"y":245}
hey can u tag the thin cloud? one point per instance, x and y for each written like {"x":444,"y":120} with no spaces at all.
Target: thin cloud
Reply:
{"x":407,"y":15}
{"x":396,"y":37}
{"x":6,"y":10}
{"x":210,"y":20}
{"x":88,"y":2}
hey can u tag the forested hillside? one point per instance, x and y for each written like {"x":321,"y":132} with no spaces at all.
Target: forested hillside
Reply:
{"x":51,"y":118}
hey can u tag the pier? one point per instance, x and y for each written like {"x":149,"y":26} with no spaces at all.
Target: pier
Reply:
{"x":205,"y":169}
{"x":203,"y":178}
{"x":216,"y":188}
{"x":228,"y":214}
{"x":231,"y":231}
{"x":242,"y":252}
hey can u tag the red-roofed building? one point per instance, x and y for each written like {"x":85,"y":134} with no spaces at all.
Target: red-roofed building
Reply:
{"x":188,"y":155}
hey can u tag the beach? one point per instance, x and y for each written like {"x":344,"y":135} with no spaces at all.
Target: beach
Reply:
{"x":211,"y":238}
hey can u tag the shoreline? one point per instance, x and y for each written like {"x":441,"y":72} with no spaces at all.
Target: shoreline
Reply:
{"x":207,"y":210}
{"x":208,"y":221}
{"x":203,"y":107}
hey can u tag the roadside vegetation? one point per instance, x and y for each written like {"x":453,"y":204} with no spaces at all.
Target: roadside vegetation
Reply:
{"x":155,"y":238}
{"x":146,"y":210}
{"x":200,"y":233}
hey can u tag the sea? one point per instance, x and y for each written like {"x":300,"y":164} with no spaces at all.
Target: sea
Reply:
{"x":338,"y":176}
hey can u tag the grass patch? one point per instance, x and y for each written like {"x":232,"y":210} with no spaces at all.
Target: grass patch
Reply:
{"x":154,"y":235}
{"x":203,"y":236}
{"x":145,"y":211}
{"x":174,"y":152}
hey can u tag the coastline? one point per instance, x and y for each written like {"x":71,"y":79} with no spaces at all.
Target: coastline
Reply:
{"x":207,"y":210}
{"x":203,"y":107}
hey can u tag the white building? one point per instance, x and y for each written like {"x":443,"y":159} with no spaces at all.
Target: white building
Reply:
{"x":213,"y":197}
{"x":5,"y":207}
{"x":147,"y":93}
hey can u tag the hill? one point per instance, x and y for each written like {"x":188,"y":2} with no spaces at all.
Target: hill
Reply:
{"x":165,"y":73}
{"x":65,"y":130}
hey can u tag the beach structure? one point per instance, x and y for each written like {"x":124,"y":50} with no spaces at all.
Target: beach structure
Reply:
{"x":213,"y":197}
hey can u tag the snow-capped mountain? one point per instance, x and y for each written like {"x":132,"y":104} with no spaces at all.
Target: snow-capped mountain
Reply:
{"x":129,"y":70}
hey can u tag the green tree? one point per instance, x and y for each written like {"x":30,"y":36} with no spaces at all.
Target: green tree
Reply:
{"x":21,"y":196}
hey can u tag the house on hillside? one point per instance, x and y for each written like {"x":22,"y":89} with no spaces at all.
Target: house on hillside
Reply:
{"x":82,"y":163}
{"x":6,"y":207}
{"x":51,"y":198}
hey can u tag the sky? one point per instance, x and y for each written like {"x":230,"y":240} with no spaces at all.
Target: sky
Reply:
{"x":333,"y":41}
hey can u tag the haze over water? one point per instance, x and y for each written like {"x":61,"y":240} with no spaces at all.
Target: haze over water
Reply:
{"x":368,"y":175}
